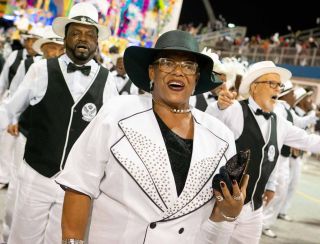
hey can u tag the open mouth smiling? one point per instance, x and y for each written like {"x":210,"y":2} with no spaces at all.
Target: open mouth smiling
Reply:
{"x":176,"y":85}
{"x":82,"y":47}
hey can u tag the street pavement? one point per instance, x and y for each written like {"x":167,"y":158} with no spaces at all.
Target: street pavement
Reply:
{"x":305,"y":210}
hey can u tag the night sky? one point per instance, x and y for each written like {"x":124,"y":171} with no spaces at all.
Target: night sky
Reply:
{"x":264,"y":20}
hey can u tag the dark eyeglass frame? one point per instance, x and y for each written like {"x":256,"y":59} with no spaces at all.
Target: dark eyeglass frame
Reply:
{"x":272,"y":84}
{"x":182,"y":64}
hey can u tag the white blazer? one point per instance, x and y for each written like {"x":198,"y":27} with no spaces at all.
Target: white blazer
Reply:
{"x":121,"y":162}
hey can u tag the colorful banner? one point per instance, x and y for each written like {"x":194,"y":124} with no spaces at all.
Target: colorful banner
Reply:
{"x":3,"y":5}
{"x":139,"y":21}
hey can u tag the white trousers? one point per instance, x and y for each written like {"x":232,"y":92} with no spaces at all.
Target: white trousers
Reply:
{"x":245,"y":230}
{"x":37,"y":215}
{"x":271,"y":211}
{"x":13,"y":188}
{"x":6,"y":155}
{"x":295,"y":173}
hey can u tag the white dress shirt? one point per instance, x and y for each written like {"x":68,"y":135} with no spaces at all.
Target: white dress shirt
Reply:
{"x":299,"y":111}
{"x":300,"y":121}
{"x":120,"y":82}
{"x":233,"y":117}
{"x":4,"y":77}
{"x":287,"y":133}
{"x":21,"y":72}
{"x":209,"y":100}
{"x":34,"y":87}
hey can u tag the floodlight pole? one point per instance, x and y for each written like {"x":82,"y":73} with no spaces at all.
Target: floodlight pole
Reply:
{"x":210,"y":13}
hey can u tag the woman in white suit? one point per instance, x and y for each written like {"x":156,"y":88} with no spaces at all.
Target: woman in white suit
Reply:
{"x":148,"y":162}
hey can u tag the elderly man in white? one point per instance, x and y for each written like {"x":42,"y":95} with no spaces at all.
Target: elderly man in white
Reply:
{"x":279,"y":182}
{"x":258,"y":129}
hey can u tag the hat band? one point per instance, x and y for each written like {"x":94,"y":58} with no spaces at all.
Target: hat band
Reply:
{"x":85,"y":19}
{"x":56,"y":39}
{"x":288,"y":89}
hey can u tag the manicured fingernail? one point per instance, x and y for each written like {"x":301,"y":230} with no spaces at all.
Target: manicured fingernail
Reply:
{"x":234,"y":182}
{"x":222,"y":184}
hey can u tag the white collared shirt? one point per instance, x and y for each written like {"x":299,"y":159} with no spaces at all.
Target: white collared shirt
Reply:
{"x":121,"y":82}
{"x":233,"y":117}
{"x":4,"y":77}
{"x":21,"y":72}
{"x":207,"y":97}
{"x":34,"y":86}
{"x":287,"y":133}
{"x":300,"y":121}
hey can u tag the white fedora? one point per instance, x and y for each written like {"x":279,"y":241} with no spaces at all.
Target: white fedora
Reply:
{"x":287,"y":87}
{"x":35,"y":32}
{"x":81,"y":13}
{"x":258,"y":69}
{"x":48,"y":37}
{"x":300,"y":93}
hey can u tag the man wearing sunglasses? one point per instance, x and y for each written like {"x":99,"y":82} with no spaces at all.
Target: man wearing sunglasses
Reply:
{"x":258,"y":129}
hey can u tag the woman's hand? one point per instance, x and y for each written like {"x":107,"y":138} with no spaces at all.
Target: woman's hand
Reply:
{"x":227,"y":206}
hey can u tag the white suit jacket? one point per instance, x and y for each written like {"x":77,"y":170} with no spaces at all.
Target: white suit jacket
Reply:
{"x":122,"y":163}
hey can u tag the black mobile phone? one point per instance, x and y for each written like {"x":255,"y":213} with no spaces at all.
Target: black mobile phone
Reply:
{"x":235,"y":169}
{"x":237,"y":166}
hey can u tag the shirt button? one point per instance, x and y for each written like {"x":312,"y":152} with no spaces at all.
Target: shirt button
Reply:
{"x":181,"y":230}
{"x":153,"y":225}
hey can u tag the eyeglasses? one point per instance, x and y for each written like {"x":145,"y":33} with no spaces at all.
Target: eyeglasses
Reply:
{"x":168,"y":65}
{"x":272,"y":84}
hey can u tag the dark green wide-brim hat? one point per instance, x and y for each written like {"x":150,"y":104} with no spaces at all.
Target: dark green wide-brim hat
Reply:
{"x":137,"y":60}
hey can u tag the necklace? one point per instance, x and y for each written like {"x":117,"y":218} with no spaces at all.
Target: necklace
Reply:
{"x":173,"y":110}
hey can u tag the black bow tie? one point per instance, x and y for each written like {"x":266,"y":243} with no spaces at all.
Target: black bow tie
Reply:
{"x":213,"y":96}
{"x":122,"y":76}
{"x":83,"y":69}
{"x":264,"y":114}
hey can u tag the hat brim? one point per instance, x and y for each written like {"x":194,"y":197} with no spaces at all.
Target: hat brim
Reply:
{"x":251,"y":77}
{"x":59,"y":25}
{"x":137,"y":61}
{"x":38,"y":44}
{"x":309,"y":93}
{"x":285,"y":92}
{"x":26,"y":36}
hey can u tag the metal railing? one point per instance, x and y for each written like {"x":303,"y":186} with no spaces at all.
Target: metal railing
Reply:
{"x":305,"y":34}
{"x":279,"y":55}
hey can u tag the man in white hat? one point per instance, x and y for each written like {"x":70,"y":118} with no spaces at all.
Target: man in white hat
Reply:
{"x":303,"y":107}
{"x":278,"y":184}
{"x":124,"y":84}
{"x":64,"y":94}
{"x":258,"y":129}
{"x":13,"y":61}
{"x":8,"y":72}
{"x":201,"y":101}
{"x":50,"y":46}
